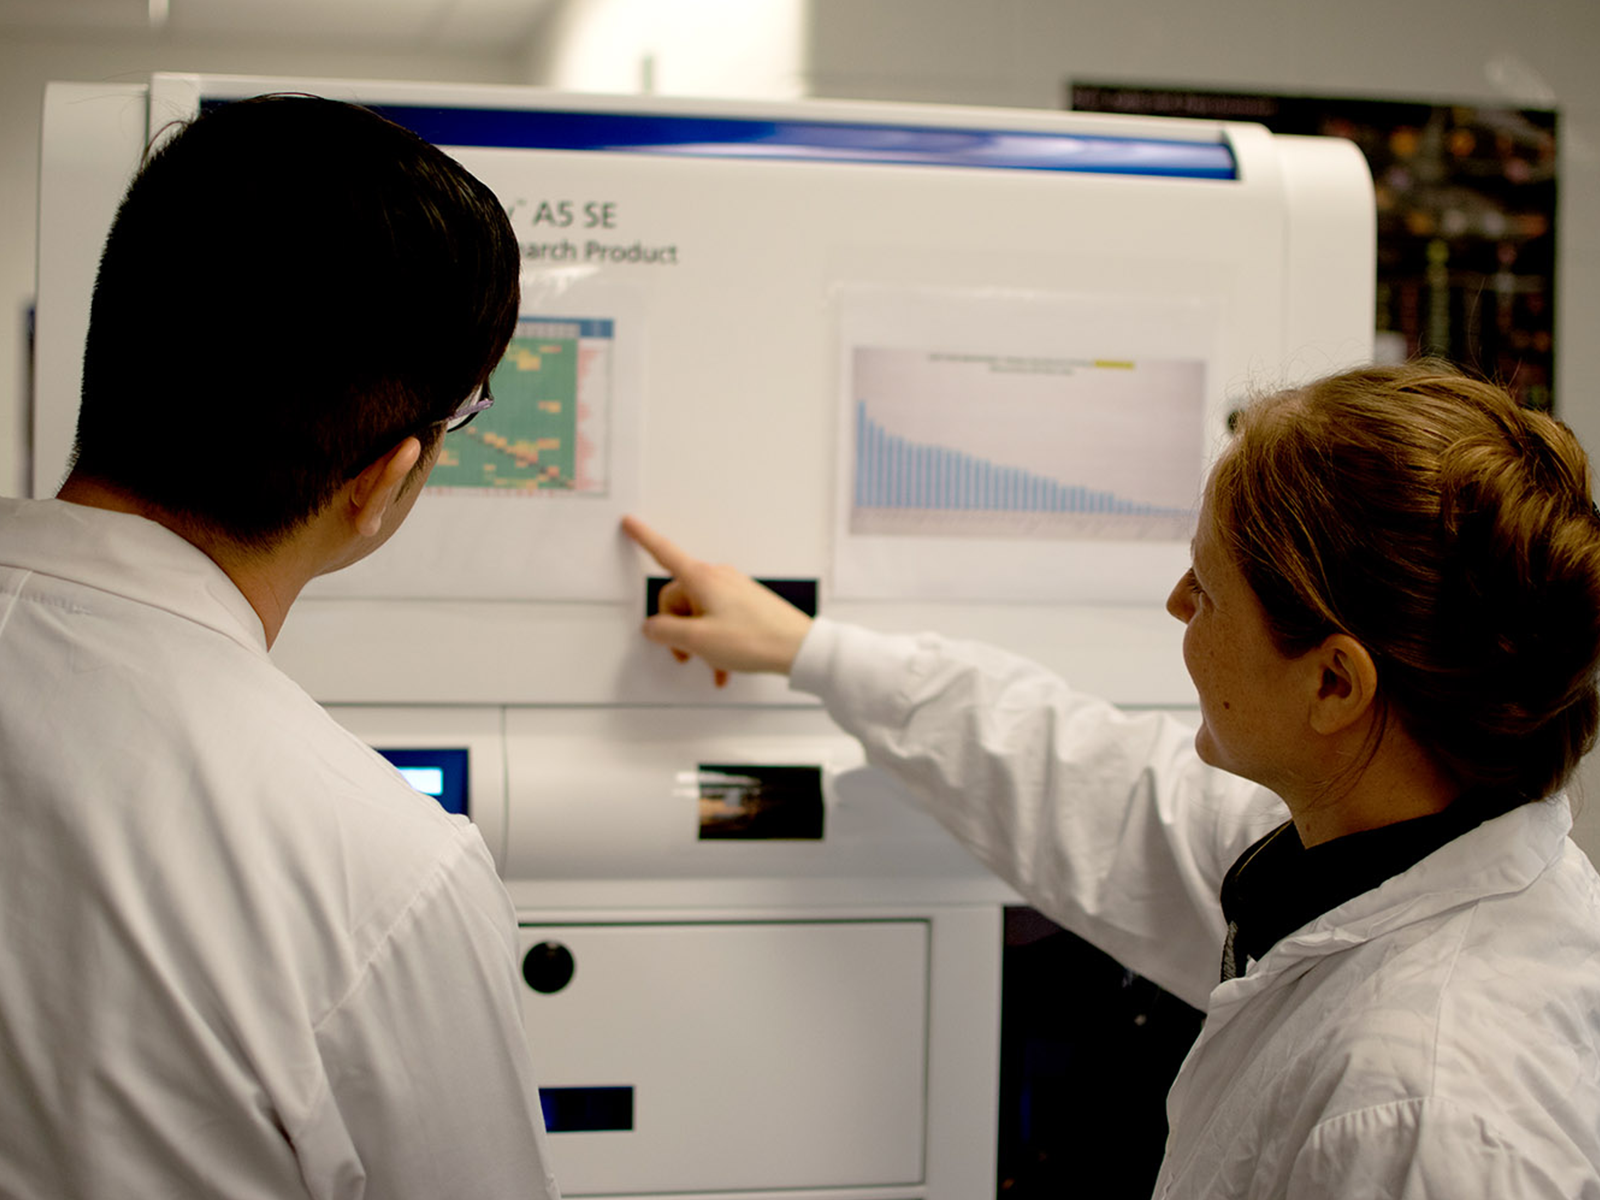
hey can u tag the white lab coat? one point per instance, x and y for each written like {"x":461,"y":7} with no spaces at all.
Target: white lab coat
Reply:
{"x":241,"y":958}
{"x":1436,"y":1037}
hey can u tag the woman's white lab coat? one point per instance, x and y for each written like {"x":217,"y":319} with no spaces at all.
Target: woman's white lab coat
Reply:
{"x":1438,"y":1036}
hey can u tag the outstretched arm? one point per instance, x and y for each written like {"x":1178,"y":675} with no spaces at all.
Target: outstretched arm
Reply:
{"x":718,"y":613}
{"x":1107,"y":823}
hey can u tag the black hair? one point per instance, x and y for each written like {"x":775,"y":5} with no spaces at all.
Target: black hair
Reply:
{"x":292,"y":285}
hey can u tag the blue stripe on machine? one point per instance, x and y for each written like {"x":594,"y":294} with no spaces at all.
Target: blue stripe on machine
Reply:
{"x":810,"y":141}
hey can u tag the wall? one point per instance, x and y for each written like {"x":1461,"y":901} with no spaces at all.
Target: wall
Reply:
{"x":743,"y":48}
{"x":28,"y":63}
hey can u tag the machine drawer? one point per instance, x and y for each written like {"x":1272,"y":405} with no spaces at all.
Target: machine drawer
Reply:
{"x":730,"y":1056}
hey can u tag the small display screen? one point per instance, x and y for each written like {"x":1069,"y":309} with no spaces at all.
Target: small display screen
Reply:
{"x":741,"y":800}
{"x":427,"y":780}
{"x":440,"y":773}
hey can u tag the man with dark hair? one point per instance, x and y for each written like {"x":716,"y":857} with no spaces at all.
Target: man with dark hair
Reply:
{"x":242,"y":957}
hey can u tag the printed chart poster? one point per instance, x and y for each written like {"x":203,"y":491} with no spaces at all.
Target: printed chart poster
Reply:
{"x":523,"y":502}
{"x":1020,"y":448}
{"x":547,"y":430}
{"x":999,"y":446}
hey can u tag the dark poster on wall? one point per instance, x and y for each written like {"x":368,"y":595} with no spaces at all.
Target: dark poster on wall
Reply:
{"x":1466,"y":199}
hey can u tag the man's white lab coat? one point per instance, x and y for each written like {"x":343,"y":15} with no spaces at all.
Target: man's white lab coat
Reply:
{"x":241,"y":958}
{"x":1437,"y":1037}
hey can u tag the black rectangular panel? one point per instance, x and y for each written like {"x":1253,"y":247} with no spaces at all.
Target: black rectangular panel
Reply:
{"x":586,"y":1109}
{"x":750,"y":802}
{"x":802,"y":593}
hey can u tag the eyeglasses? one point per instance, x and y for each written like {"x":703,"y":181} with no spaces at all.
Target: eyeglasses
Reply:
{"x":470,"y":407}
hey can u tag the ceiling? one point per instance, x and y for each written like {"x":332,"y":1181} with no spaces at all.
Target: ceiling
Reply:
{"x":447,"y":25}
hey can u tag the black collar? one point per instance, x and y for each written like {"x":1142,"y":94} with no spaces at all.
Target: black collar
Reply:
{"x":1278,"y":885}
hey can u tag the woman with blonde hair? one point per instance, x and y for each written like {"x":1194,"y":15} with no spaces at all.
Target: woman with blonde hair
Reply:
{"x":1359,"y":865}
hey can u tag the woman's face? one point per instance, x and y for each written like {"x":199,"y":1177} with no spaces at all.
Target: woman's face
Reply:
{"x":1253,"y":711}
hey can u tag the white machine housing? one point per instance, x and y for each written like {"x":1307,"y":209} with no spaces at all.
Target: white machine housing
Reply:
{"x":813,"y":1017}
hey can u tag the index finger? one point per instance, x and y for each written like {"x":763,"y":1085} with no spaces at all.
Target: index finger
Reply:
{"x":662,"y":549}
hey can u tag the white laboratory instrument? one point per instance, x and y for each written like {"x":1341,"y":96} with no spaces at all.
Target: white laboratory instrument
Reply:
{"x":943,"y":367}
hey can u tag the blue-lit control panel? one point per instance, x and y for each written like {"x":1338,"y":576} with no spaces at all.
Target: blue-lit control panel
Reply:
{"x":440,"y":773}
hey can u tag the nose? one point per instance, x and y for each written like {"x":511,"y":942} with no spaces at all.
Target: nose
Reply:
{"x":1180,"y":601}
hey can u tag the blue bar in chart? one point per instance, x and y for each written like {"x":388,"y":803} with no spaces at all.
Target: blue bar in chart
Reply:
{"x":893,"y":472}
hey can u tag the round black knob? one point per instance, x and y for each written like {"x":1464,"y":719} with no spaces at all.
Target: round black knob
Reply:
{"x":548,"y":967}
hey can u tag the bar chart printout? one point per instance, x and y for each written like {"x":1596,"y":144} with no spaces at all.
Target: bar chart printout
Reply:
{"x":547,"y":431}
{"x":1025,"y":447}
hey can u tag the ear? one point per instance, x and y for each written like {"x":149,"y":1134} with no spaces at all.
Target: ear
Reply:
{"x":380,"y":485}
{"x":1346,"y":683}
